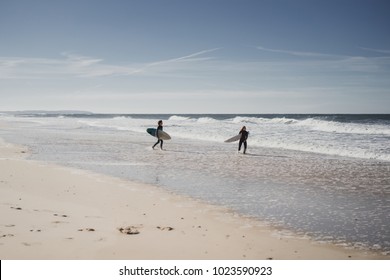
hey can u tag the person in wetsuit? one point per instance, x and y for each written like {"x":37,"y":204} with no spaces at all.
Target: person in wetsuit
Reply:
{"x":160,"y":127}
{"x":244,"y":137}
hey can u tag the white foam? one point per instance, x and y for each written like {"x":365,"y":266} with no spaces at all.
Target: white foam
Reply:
{"x":347,"y":139}
{"x":207,"y":120}
{"x":178,"y":118}
{"x":339,"y":127}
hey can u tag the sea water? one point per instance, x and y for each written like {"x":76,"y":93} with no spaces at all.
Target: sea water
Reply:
{"x":322,"y":176}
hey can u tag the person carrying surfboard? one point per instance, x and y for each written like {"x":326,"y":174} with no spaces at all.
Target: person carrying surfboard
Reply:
{"x":244,"y":136}
{"x":160,"y":127}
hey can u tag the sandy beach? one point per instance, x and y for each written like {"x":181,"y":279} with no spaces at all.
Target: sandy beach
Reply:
{"x":54,"y":212}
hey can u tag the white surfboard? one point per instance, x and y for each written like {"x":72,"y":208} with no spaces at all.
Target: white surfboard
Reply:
{"x":161,"y":134}
{"x":234,"y":138}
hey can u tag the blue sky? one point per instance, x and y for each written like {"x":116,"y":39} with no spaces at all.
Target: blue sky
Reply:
{"x":182,"y":56}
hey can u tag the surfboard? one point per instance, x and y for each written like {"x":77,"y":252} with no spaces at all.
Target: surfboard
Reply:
{"x":161,"y":134}
{"x":234,"y":138}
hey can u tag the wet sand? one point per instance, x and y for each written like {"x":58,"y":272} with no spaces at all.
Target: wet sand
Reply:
{"x":53,"y":212}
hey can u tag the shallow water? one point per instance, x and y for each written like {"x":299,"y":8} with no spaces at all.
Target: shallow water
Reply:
{"x":344,"y":200}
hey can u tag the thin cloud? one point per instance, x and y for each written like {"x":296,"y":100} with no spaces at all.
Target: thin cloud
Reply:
{"x":80,"y":61}
{"x":376,"y":50}
{"x":188,"y":58}
{"x":30,"y":68}
{"x":84,"y":66}
{"x":300,"y":54}
{"x":334,"y":62}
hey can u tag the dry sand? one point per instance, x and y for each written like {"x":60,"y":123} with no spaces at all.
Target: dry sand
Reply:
{"x":53,"y":212}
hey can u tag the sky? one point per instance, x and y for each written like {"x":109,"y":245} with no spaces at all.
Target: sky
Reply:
{"x":195,"y":56}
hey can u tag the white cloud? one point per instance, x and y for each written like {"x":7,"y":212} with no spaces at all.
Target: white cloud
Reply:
{"x":195,"y":57}
{"x":195,"y":82}
{"x":300,"y":54}
{"x":80,"y":61}
{"x":84,"y":66}
{"x":376,"y":50}
{"x":334,"y":64}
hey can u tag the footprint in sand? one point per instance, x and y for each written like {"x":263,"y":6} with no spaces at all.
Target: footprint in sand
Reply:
{"x":31,"y":244}
{"x":130,"y":230}
{"x":7,"y":235}
{"x":59,"y":222}
{"x":87,"y":229}
{"x":165,"y":228}
{"x":58,"y":215}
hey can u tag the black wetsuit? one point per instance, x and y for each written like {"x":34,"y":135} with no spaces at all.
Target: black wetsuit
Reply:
{"x":159,"y":140}
{"x":244,"y":136}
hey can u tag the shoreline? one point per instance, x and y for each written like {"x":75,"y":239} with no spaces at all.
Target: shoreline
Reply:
{"x":56,"y":212}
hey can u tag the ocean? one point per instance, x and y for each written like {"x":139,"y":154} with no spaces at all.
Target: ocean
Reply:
{"x":326,"y":177}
